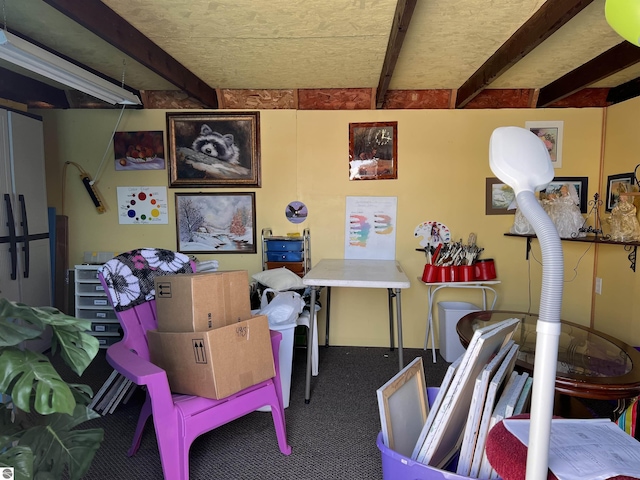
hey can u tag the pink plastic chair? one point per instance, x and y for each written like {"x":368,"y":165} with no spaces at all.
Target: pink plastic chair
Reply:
{"x":178,"y":419}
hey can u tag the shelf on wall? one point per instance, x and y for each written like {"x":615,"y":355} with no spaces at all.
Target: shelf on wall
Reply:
{"x":630,"y":247}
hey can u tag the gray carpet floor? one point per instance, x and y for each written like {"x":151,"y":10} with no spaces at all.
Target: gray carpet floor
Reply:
{"x":332,"y":437}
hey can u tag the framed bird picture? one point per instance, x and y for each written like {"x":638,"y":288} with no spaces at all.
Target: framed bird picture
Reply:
{"x":296,"y":212}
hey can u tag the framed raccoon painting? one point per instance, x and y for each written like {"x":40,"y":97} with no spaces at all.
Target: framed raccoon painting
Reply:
{"x":216,"y":149}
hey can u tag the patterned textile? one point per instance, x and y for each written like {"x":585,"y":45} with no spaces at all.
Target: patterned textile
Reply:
{"x":129,"y":276}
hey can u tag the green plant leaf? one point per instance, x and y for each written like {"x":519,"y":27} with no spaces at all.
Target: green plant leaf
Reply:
{"x":40,"y":316}
{"x":13,"y":333}
{"x":23,"y":372}
{"x":56,"y":444}
{"x":78,"y":349}
{"x":21,"y":459}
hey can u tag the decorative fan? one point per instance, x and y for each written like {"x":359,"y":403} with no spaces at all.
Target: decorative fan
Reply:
{"x":432,"y":233}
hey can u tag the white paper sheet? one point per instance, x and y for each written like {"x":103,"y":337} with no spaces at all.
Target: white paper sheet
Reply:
{"x":593,"y":448}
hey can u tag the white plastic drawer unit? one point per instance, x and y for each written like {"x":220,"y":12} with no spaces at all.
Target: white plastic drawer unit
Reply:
{"x":87,"y":273}
{"x":92,"y":304}
{"x":89,"y":288}
{"x":98,"y":315}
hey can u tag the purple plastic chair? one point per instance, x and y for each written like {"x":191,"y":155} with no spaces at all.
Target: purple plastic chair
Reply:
{"x":178,"y":419}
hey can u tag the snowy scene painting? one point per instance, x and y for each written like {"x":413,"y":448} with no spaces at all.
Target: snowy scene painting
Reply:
{"x":216,"y":222}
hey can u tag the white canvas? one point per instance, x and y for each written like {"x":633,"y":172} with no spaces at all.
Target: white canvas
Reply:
{"x":475,"y":411}
{"x":444,"y":386}
{"x":501,"y":374}
{"x":446,"y":432}
{"x":403,"y":407}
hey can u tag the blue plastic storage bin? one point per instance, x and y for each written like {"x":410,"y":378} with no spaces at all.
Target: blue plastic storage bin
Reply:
{"x":284,"y":245}
{"x":284,"y":256}
{"x":398,"y":467}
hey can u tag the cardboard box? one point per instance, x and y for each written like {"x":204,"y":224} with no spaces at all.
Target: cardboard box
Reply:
{"x":196,"y":302}
{"x":215,"y":363}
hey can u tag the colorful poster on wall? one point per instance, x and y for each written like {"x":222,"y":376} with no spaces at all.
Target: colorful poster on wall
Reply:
{"x":142,"y":205}
{"x":370,"y":229}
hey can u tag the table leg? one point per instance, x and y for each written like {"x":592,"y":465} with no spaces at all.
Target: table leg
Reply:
{"x":430,"y":294}
{"x":310,"y":333}
{"x":326,"y":337}
{"x":391,"y":295}
{"x":399,"y":320}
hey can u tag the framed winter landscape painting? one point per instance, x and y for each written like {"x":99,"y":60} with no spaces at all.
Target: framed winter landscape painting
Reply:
{"x":216,"y":222}
{"x":214,"y":149}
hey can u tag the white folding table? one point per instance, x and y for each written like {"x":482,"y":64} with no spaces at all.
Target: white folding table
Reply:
{"x":359,"y":274}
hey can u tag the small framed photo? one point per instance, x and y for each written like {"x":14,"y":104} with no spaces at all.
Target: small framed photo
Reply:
{"x":373,"y":151}
{"x":581,"y":185}
{"x":215,"y":149}
{"x":139,"y":150}
{"x":550,"y":133}
{"x":216,"y":222}
{"x":499,"y":197}
{"x":614,"y":185}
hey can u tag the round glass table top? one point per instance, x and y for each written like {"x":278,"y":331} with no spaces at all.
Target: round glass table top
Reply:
{"x":591,"y":364}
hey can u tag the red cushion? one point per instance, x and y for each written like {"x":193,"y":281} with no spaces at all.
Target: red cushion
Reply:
{"x":508,"y":455}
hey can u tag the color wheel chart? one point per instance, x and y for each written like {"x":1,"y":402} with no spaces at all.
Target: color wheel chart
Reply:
{"x":370,"y":229}
{"x":142,"y":205}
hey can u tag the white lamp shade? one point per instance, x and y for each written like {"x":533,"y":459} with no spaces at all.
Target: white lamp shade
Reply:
{"x":520,"y":159}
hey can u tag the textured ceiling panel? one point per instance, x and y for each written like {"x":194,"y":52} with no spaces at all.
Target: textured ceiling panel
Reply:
{"x":448,"y":41}
{"x":585,"y":36}
{"x":319,"y":44}
{"x":45,"y":25}
{"x":274,"y":44}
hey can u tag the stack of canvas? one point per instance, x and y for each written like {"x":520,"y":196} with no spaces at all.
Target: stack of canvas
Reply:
{"x":479,"y":389}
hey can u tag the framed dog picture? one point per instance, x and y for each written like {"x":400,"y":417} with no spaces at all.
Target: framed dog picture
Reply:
{"x":217,"y":149}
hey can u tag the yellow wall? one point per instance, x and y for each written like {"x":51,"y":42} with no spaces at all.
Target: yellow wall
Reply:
{"x":617,"y":310}
{"x":442,"y":166}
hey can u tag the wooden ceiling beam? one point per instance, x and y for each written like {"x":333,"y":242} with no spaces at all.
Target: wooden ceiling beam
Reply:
{"x":108,"y":25}
{"x":613,"y":60}
{"x":29,"y":91}
{"x":626,"y":91}
{"x":542,"y":24}
{"x":401,"y":20}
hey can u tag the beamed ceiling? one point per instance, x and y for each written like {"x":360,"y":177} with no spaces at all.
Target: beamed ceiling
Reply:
{"x":330,"y":54}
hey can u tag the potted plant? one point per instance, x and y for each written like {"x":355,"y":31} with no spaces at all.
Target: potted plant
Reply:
{"x":40,"y":410}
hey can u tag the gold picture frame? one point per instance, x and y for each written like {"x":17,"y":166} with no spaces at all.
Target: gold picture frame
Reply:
{"x":216,"y":149}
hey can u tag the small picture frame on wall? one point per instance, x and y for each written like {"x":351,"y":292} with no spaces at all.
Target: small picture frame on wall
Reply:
{"x":499,"y":196}
{"x":614,"y":184}
{"x":550,"y":133}
{"x":373,"y":151}
{"x":216,"y":222}
{"x":214,"y":149}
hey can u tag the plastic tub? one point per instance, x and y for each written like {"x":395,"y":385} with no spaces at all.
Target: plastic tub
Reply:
{"x":398,"y":467}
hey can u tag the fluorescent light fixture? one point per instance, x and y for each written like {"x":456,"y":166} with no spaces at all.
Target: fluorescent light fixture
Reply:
{"x":19,"y":52}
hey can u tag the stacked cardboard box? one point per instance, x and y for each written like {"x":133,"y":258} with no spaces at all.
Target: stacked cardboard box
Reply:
{"x":207,"y":341}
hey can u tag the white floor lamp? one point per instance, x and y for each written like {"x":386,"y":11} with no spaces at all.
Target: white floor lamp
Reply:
{"x":519,"y":159}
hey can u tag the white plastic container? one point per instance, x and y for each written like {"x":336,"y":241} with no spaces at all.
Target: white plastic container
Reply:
{"x":285,"y":356}
{"x":448,"y":315}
